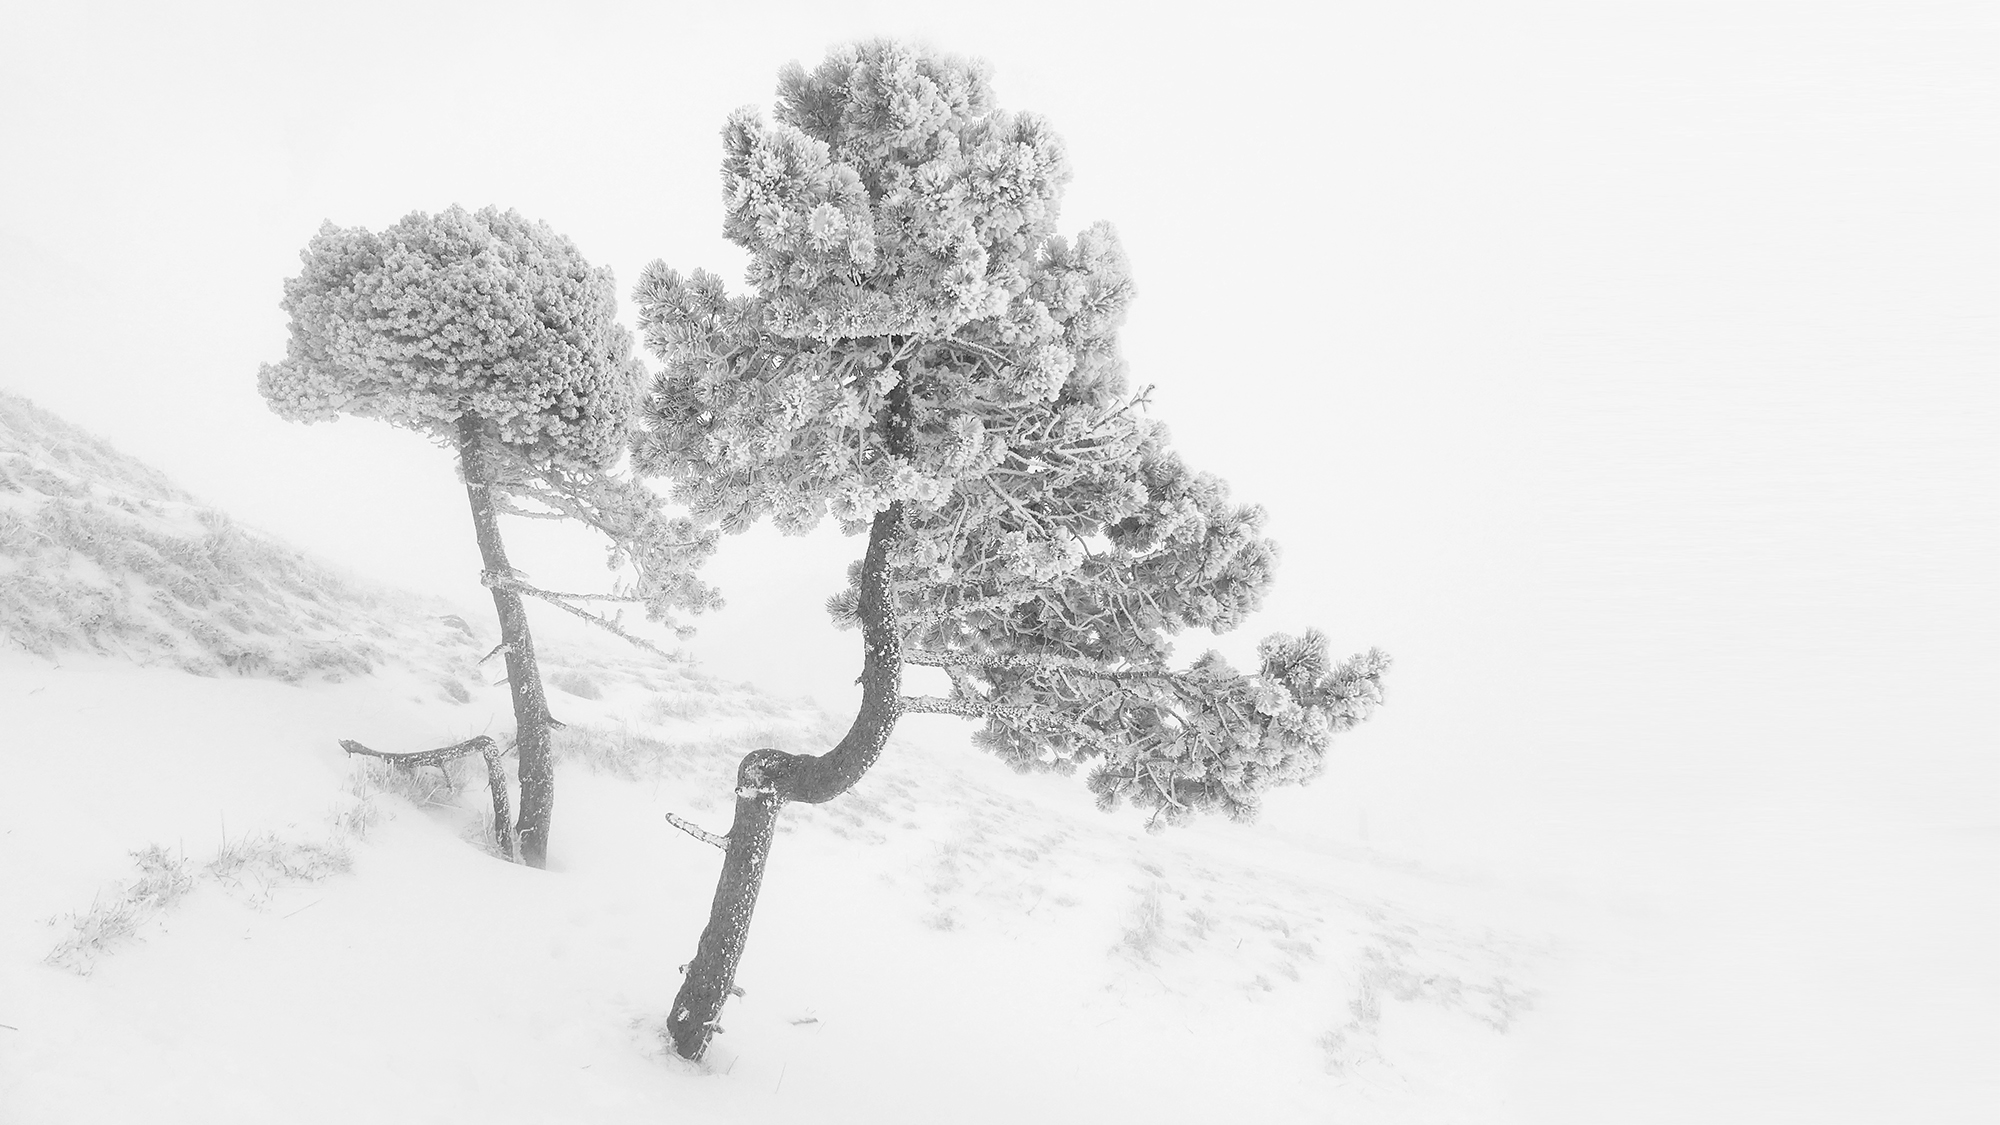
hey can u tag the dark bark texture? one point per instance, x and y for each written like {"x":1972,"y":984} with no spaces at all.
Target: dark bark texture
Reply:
{"x":767,"y":780}
{"x":524,"y":678}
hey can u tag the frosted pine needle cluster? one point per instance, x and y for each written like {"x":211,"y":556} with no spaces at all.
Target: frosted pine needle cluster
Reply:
{"x":918,"y":333}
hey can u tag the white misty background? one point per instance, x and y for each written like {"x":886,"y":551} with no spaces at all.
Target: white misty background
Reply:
{"x":1625,"y":370}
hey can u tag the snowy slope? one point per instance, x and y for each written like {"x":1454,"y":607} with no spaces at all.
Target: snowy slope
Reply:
{"x":209,"y":913}
{"x":100,"y":553}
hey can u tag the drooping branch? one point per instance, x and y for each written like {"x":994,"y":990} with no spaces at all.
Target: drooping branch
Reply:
{"x":496,"y":779}
{"x":663,"y":553}
{"x":564,"y":595}
{"x":508,"y":508}
{"x":504,"y":582}
{"x":477,"y":744}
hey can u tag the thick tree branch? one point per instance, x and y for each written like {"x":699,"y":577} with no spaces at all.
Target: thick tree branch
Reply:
{"x":479,"y":744}
{"x":960,"y":706}
{"x":1034,"y":662}
{"x":496,"y":779}
{"x":1027,"y":717}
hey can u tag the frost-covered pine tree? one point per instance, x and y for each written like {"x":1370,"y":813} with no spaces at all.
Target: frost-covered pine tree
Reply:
{"x":491,"y":335}
{"x":923,"y":358}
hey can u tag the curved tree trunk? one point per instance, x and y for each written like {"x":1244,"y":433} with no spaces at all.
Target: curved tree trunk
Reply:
{"x":768,"y":779}
{"x":524,"y":677}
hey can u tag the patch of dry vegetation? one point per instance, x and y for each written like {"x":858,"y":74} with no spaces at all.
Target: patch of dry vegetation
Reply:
{"x":99,"y":553}
{"x":111,"y":920}
{"x":253,"y":868}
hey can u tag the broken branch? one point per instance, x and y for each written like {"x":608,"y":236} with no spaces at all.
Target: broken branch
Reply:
{"x":698,"y":832}
{"x":496,"y":779}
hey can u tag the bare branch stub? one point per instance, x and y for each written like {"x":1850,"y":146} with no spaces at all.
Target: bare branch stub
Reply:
{"x":698,"y":832}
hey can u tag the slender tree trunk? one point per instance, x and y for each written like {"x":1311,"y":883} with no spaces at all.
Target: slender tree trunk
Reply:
{"x":768,"y":779}
{"x":524,"y":677}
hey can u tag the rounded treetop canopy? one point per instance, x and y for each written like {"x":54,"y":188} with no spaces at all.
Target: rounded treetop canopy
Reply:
{"x":891,"y":195}
{"x":921,"y":354}
{"x":460,"y":314}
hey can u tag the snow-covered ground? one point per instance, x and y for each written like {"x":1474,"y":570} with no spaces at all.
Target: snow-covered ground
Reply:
{"x":932,"y":947}
{"x":947,"y":943}
{"x":209,"y":913}
{"x":212,"y":913}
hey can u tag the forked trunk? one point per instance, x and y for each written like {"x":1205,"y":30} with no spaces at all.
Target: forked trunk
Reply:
{"x":768,"y":779}
{"x":524,"y":677}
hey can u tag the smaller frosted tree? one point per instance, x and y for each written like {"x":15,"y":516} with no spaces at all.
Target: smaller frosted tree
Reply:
{"x":924,"y":359}
{"x":491,"y":335}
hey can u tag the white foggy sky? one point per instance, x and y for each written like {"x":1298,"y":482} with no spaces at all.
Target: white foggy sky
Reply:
{"x":1624,"y":369}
